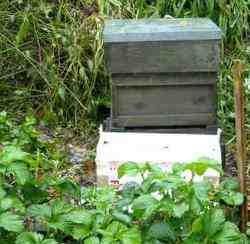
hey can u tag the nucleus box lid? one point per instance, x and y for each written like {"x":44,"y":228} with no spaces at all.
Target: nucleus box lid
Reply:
{"x":143,"y":30}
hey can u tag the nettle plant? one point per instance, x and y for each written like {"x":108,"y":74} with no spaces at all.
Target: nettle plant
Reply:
{"x":39,"y":206}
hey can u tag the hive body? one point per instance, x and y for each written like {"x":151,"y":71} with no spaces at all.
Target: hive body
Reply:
{"x":163,"y":72}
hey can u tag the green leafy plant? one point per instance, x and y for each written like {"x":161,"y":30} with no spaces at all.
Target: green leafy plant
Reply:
{"x":171,"y":209}
{"x":39,"y":206}
{"x":29,"y":177}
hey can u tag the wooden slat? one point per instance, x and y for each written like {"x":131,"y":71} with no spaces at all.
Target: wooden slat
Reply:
{"x":168,"y":105}
{"x":164,"y":120}
{"x":162,"y":57}
{"x":166,"y":79}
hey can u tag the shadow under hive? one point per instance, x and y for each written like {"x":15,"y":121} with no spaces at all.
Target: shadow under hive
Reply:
{"x":163,"y":73}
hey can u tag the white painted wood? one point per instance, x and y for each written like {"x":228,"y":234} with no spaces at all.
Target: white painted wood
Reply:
{"x":115,"y":148}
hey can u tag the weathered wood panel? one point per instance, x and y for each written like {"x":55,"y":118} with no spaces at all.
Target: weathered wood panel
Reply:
{"x":161,"y":79}
{"x":195,"y":119}
{"x":164,"y":103}
{"x":176,"y":129}
{"x":153,"y":100}
{"x":162,"y":57}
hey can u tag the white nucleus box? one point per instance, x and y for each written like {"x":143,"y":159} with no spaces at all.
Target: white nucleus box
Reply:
{"x":116,"y":148}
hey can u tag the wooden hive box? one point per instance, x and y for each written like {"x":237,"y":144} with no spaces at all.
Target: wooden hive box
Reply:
{"x":163,"y":71}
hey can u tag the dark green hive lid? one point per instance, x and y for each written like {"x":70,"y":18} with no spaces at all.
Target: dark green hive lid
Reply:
{"x":143,"y":30}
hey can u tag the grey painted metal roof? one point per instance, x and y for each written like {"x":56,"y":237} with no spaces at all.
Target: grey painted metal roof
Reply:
{"x":160,"y":30}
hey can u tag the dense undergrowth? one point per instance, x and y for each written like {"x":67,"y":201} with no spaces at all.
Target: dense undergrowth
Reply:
{"x":40,"y":206}
{"x":51,"y":55}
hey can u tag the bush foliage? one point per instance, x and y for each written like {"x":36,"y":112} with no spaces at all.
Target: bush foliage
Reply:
{"x":38,"y":205}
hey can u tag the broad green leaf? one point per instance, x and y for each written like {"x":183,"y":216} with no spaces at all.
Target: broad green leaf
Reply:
{"x":237,"y":199}
{"x":197,"y":225}
{"x":144,"y":202}
{"x":60,"y":207}
{"x":34,"y":193}
{"x":115,"y":228}
{"x":3,"y":117}
{"x":19,"y":205}
{"x":230,"y":184}
{"x":153,"y":169}
{"x":171,"y":183}
{"x":6,"y":203}
{"x":12,"y":202}
{"x":59,"y":211}
{"x":197,"y":168}
{"x":49,"y":241}
{"x":202,"y":165}
{"x":105,"y":234}
{"x":3,"y":169}
{"x":40,"y":211}
{"x":130,"y":189}
{"x":132,"y":236}
{"x":108,"y":240}
{"x":106,"y":197}
{"x":150,"y":211}
{"x":125,"y":219}
{"x":11,"y":222}
{"x":21,"y":172}
{"x":81,"y":232}
{"x":2,"y":193}
{"x":80,"y":216}
{"x":178,"y":169}
{"x":92,"y":240}
{"x":123,"y":203}
{"x":129,"y":169}
{"x":167,"y":206}
{"x":29,"y":238}
{"x":180,"y":209}
{"x":192,"y":240}
{"x":214,"y":221}
{"x":162,"y":232}
{"x":229,"y":235}
{"x":100,"y":218}
{"x":232,"y":198}
{"x":195,"y":204}
{"x":67,"y":186}
{"x":33,"y":238}
{"x":113,"y":232}
{"x":60,"y":223}
{"x":202,"y":189}
{"x":12,"y":154}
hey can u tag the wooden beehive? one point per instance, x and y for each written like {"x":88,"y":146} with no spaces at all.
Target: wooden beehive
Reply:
{"x":163,"y":71}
